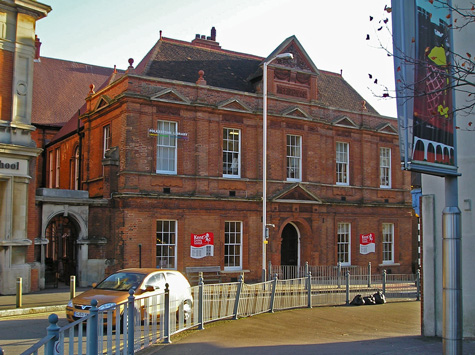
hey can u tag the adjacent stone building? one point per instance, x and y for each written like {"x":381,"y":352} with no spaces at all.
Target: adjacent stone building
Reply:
{"x":162,"y":167}
{"x":18,"y":151}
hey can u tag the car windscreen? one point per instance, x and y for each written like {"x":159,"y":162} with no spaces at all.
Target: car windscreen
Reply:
{"x":121,"y":281}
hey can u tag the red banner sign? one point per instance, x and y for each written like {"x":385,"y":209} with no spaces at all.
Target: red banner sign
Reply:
{"x":367,"y":243}
{"x":202,"y":245}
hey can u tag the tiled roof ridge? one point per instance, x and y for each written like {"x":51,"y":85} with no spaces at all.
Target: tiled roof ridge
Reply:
{"x":224,"y":51}
{"x":76,"y":62}
{"x":326,"y":72}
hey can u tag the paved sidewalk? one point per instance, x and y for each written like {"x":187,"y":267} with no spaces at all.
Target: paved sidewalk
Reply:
{"x":48,"y":300}
{"x":392,"y":328}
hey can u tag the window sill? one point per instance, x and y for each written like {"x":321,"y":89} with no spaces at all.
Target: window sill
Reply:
{"x":390,"y":264}
{"x":234,"y":271}
{"x":293,"y":180}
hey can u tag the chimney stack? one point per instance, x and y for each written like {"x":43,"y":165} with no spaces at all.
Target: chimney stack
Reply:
{"x":206,"y":42}
{"x":37,"y":48}
{"x":213,"y":34}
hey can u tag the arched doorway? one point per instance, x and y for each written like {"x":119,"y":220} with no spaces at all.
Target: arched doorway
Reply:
{"x":61,"y":250}
{"x":289,"y":250}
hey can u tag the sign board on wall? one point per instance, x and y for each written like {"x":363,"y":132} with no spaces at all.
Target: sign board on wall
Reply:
{"x":422,"y":59}
{"x":367,"y":243}
{"x":11,"y":166}
{"x":202,"y":245}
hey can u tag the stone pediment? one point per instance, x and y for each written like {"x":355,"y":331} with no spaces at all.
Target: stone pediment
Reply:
{"x":234,"y":105}
{"x":301,"y":60}
{"x":102,"y":102}
{"x":296,"y":193}
{"x":387,"y":128}
{"x":344,"y":121}
{"x":295,"y":112}
{"x":170,"y":95}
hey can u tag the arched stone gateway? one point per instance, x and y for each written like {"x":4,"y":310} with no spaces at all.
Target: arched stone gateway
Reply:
{"x":59,"y":250}
{"x":63,"y":248}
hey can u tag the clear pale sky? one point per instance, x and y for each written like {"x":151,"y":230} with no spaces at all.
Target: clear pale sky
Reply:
{"x":108,"y":33}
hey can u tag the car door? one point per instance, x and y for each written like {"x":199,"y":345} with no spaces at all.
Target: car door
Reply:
{"x":176,"y":290}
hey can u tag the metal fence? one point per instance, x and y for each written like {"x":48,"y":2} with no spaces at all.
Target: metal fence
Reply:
{"x":143,"y":321}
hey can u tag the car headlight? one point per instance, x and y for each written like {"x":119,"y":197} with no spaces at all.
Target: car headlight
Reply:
{"x":106,"y":306}
{"x":70,"y":303}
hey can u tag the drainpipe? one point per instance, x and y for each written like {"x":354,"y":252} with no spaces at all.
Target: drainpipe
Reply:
{"x":80,"y":151}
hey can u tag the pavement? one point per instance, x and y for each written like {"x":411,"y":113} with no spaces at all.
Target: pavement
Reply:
{"x":46,"y":301}
{"x":392,"y":328}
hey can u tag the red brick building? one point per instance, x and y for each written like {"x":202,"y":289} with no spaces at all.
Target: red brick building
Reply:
{"x":162,"y":167}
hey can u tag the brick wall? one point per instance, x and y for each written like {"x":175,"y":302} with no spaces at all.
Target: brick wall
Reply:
{"x":6,"y":63}
{"x":199,"y":198}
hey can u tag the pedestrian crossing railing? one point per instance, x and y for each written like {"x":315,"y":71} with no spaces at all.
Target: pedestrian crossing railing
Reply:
{"x":143,"y":321}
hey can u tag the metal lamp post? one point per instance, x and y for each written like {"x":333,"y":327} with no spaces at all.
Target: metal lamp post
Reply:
{"x":264,"y":158}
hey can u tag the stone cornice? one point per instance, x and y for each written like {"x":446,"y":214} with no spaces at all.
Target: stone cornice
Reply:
{"x":30,"y":7}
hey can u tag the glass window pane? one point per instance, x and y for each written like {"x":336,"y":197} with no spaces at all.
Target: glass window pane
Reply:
{"x":232,"y":245}
{"x":343,"y":243}
{"x":166,"y":244}
{"x":166,"y":147}
{"x":231,"y":151}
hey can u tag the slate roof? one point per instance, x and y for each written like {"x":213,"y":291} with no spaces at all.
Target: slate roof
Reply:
{"x":176,"y":60}
{"x":334,"y":91}
{"x":179,"y":60}
{"x":60,"y":88}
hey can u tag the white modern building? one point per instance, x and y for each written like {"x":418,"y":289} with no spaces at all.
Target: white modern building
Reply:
{"x":433,"y":203}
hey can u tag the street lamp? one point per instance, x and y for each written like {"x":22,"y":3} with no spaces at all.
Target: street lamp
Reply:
{"x":264,"y":159}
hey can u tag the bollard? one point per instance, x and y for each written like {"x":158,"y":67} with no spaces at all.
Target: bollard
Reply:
{"x":339,"y":274}
{"x":92,"y":326}
{"x":309,"y":289}
{"x":347,"y":287}
{"x":131,"y":322}
{"x":418,"y":284}
{"x":369,"y":274}
{"x":53,"y":330}
{"x":166,"y":326}
{"x":72,"y":287}
{"x":238,"y":296}
{"x":19,"y":292}
{"x":384,"y":282}
{"x":272,"y":297}
{"x":201,"y":324}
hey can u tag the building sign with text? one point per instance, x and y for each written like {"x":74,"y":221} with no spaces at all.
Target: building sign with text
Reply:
{"x":13,"y":166}
{"x":367,"y":243}
{"x":202,"y":245}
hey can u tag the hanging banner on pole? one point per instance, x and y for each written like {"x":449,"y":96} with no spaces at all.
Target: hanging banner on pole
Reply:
{"x":367,"y":243}
{"x":202,"y":245}
{"x":422,"y":66}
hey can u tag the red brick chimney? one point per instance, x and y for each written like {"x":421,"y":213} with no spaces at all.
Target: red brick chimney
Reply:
{"x":37,"y":48}
{"x":206,"y":42}
{"x":213,"y":33}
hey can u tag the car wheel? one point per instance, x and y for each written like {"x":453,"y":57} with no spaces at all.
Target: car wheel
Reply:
{"x":187,"y":310}
{"x":186,"y":306}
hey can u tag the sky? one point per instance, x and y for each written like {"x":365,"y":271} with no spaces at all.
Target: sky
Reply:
{"x":333,"y":33}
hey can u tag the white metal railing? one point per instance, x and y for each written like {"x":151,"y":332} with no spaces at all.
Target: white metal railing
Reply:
{"x":143,"y":321}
